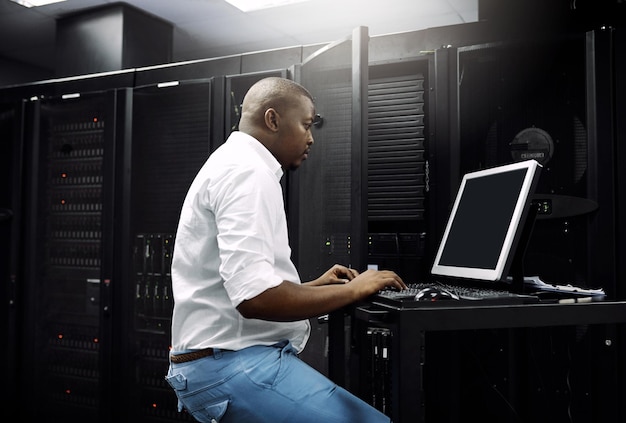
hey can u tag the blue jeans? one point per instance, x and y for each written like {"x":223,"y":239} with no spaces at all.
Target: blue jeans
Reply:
{"x":264,"y":384}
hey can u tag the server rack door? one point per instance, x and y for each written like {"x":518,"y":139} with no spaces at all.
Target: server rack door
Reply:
{"x":60,"y":365}
{"x":620,"y":110}
{"x":534,"y":98}
{"x":400,"y":129}
{"x":620,"y":105}
{"x":605,"y":93}
{"x":398,"y":175}
{"x":171,"y":137}
{"x":327,"y":195}
{"x":175,"y":128}
{"x":526,"y":99}
{"x":10,"y":236}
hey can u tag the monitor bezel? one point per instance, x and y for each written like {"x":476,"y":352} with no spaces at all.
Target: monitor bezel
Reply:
{"x":514,"y":232}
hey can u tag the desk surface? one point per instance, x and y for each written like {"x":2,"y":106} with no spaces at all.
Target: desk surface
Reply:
{"x":451,"y":317}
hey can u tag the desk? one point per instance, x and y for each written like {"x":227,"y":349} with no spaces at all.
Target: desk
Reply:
{"x":409,"y":325}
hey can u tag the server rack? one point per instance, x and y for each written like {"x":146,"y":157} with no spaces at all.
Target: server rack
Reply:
{"x":533,"y":98}
{"x":400,"y":129}
{"x":402,"y":137}
{"x":151,"y":399}
{"x":106,"y":171}
{"x":326,"y":202}
{"x":619,"y":67}
{"x":171,"y":138}
{"x":528,"y":98}
{"x":70,"y":146}
{"x":175,"y":126}
{"x":553,"y":100}
{"x":11,"y":115}
{"x":128,"y":237}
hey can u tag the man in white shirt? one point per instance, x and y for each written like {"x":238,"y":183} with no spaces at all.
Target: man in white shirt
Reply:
{"x":240,"y":310}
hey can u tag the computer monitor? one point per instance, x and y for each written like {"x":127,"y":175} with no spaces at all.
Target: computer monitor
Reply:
{"x":487,"y":222}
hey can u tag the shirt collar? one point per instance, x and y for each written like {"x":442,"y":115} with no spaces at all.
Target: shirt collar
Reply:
{"x":262,"y":151}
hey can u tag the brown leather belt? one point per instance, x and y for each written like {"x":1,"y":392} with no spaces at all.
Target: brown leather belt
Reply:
{"x":191,"y":356}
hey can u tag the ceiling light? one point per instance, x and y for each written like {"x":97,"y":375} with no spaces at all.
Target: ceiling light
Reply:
{"x":248,"y":5}
{"x":35,"y":3}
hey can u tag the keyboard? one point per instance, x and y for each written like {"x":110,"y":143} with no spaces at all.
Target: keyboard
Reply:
{"x":460,"y":296}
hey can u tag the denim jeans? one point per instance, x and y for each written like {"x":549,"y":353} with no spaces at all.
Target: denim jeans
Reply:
{"x":264,"y":384}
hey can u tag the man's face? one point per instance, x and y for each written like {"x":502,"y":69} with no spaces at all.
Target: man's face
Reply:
{"x":295,"y":134}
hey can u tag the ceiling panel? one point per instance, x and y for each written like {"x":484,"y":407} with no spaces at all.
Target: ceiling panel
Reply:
{"x":212,"y":28}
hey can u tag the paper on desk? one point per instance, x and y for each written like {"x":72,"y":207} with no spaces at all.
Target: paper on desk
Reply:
{"x":536,"y":283}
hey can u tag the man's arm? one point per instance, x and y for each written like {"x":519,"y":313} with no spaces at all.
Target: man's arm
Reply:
{"x":289,"y":301}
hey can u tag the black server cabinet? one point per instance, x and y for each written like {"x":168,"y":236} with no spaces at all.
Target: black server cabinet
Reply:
{"x":528,"y":99}
{"x":399,"y":130}
{"x":401,"y":138}
{"x":327,"y":195}
{"x":619,"y":68}
{"x":175,"y":126}
{"x":605,"y":95}
{"x":171,"y":139}
{"x":68,"y":212}
{"x":11,"y":162}
{"x":555,"y":100}
{"x":540,"y":98}
{"x":606,"y":65}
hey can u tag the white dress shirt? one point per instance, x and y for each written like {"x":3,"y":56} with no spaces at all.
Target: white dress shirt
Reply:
{"x":231,"y":245}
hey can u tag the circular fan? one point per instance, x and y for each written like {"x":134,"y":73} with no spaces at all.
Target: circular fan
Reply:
{"x":532,"y":143}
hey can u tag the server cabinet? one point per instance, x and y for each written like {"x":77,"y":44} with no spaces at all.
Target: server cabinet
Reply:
{"x":605,"y":95}
{"x":329,"y":188}
{"x":401,"y":146}
{"x":11,"y":114}
{"x":619,"y":63}
{"x":171,"y":138}
{"x":527,"y":99}
{"x":546,"y":98}
{"x":619,"y":68}
{"x":606,"y":90}
{"x":400,"y":129}
{"x":327,"y":195}
{"x":64,"y":309}
{"x":175,"y":126}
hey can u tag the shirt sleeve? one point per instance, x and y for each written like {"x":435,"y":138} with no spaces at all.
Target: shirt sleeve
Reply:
{"x":246,"y":210}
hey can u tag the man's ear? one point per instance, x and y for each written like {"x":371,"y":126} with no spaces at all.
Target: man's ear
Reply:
{"x":271,"y":119}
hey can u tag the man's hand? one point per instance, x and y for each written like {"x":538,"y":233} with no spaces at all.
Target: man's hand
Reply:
{"x":338,"y":274}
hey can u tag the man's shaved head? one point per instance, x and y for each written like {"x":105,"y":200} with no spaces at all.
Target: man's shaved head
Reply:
{"x":273,"y":92}
{"x":280,"y":113}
